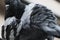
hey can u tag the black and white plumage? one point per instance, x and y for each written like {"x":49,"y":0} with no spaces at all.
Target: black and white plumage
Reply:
{"x":29,"y":22}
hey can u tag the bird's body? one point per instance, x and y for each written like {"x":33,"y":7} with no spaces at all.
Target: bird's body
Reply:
{"x":29,"y":22}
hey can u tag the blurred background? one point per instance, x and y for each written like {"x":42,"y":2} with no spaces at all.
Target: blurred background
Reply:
{"x":53,"y":5}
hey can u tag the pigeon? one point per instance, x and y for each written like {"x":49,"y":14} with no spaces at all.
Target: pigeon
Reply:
{"x":29,"y":22}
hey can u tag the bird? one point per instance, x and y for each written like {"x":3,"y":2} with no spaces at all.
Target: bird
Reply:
{"x":29,"y":21}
